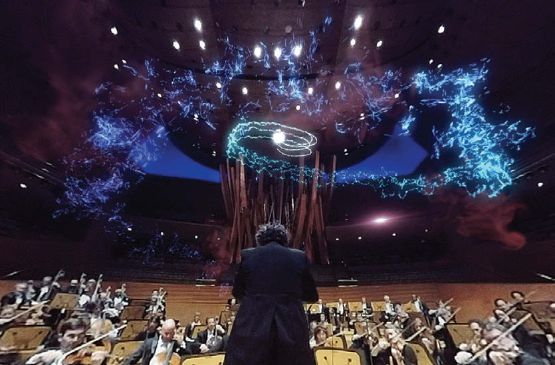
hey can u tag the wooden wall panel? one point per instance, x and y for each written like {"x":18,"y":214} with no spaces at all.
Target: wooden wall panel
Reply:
{"x":476,"y":300}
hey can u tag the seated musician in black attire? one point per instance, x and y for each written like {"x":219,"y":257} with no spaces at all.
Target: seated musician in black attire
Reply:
{"x":158,"y":346}
{"x":506,"y":350}
{"x":211,"y":339}
{"x":272,"y":281}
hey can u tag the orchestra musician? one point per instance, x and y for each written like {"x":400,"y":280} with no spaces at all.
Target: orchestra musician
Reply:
{"x":211,"y":339}
{"x":397,"y":352}
{"x":71,"y":334}
{"x":155,"y":350}
{"x":366,"y":308}
{"x":319,"y":337}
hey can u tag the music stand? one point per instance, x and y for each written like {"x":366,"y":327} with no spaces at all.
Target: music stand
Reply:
{"x":64,"y":301}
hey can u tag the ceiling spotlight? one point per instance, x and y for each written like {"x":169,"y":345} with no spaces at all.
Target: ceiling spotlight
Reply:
{"x":195,"y":116}
{"x":123,"y":61}
{"x":176,"y":45}
{"x":297,"y":50}
{"x":277,"y":52}
{"x":23,"y":186}
{"x":540,"y":184}
{"x":359,"y":238}
{"x":202,"y":44}
{"x":129,"y":229}
{"x":114,"y":30}
{"x":426,"y":230}
{"x":358,"y":22}
{"x":337,"y":238}
{"x":298,"y":107}
{"x":379,"y":43}
{"x":430,"y":61}
{"x":362,"y":114}
{"x":161,"y":233}
{"x":196,"y":237}
{"x":380,"y":220}
{"x":198,"y":25}
{"x":396,"y":96}
{"x":353,"y":42}
{"x":441,"y":29}
{"x":440,"y":65}
{"x":116,"y":66}
{"x":337,"y":85}
{"x":244,"y":90}
{"x":257,"y":51}
{"x":345,"y":150}
{"x":278,"y":137}
{"x":394,"y":234}
{"x":310,"y":91}
{"x":159,"y":95}
{"x":218,"y":85}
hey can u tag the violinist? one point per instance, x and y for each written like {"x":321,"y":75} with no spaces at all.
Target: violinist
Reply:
{"x":48,"y":289}
{"x":16,"y":297}
{"x":120,"y":300}
{"x":518,"y":299}
{"x":398,"y":352}
{"x":366,"y":308}
{"x":212,"y":338}
{"x":157,"y":349}
{"x":73,"y":287}
{"x":389,"y":309}
{"x":506,"y":350}
{"x":72,"y":334}
{"x":319,"y":338}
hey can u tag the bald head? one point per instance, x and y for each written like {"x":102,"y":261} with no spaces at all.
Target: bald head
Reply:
{"x":167,"y":332}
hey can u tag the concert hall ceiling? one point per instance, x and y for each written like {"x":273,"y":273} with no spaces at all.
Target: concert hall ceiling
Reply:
{"x":167,"y":86}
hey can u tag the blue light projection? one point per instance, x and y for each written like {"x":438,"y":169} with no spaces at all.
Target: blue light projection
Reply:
{"x":130,"y":124}
{"x":481,"y":144}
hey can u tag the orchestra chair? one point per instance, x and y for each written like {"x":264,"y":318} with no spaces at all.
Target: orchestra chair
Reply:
{"x":333,"y":305}
{"x":422,"y":355}
{"x":354,"y":306}
{"x":336,"y":342}
{"x":64,"y":301}
{"x":332,"y":356}
{"x":460,"y":333}
{"x":409,"y":307}
{"x":205,"y":359}
{"x":133,"y":329}
{"x":133,"y":312}
{"x":19,"y":343}
{"x":378,"y":306}
{"x":197,"y":330}
{"x":122,"y":350}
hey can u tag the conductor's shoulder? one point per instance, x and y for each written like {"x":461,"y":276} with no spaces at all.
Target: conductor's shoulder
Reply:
{"x":247,"y":251}
{"x":297,"y":251}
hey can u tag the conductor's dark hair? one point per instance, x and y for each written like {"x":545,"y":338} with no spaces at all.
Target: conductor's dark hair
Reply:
{"x":272,"y":232}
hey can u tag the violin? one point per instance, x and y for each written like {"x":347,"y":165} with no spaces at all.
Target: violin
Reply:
{"x":87,"y":353}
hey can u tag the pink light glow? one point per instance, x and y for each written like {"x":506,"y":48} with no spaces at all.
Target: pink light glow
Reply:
{"x":380,"y":220}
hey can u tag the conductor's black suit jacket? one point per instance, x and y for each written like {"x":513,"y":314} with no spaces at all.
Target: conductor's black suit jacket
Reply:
{"x":271,"y":327}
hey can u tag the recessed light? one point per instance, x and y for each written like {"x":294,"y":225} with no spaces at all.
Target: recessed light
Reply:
{"x":176,"y":45}
{"x":129,"y":229}
{"x":310,"y":90}
{"x":441,"y":29}
{"x":298,"y":107}
{"x":277,"y":52}
{"x":159,"y":95}
{"x":337,"y":85}
{"x":123,"y":61}
{"x":257,"y":51}
{"x":394,"y":234}
{"x":440,"y":65}
{"x":116,"y":66}
{"x":345,"y":150}
{"x":161,"y":233}
{"x":396,"y":96}
{"x":196,"y":237}
{"x":198,"y":25}
{"x":358,"y":22}
{"x":337,"y":238}
{"x":297,"y":50}
{"x":23,"y":186}
{"x":278,"y":137}
{"x":359,"y":238}
{"x":353,"y":42}
{"x":218,"y":85}
{"x":540,"y":184}
{"x":114,"y":30}
{"x":430,"y":61}
{"x":244,"y":90}
{"x":379,"y":43}
{"x":202,"y":44}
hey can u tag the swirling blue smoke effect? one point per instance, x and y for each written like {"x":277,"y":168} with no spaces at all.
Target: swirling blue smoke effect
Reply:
{"x":482,"y":145}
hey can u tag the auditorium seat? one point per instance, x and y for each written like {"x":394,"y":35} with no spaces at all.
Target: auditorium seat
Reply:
{"x":211,"y":359}
{"x":331,"y":356}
